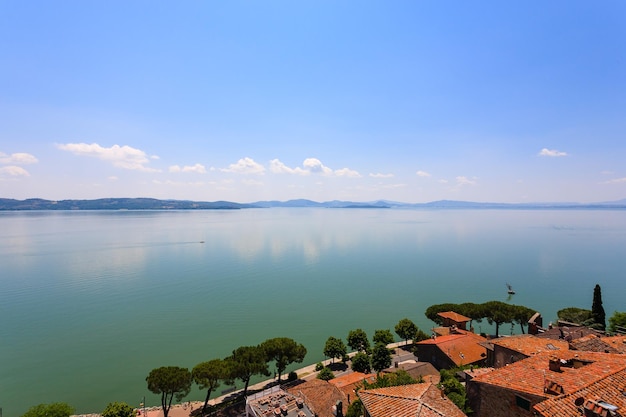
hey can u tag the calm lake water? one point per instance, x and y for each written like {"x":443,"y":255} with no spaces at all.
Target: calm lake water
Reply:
{"x":90,"y":302}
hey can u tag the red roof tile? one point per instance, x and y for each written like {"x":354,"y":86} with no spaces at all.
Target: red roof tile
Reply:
{"x":609,"y":390}
{"x":462,"y":348}
{"x":415,"y":400}
{"x":532,"y":374}
{"x":454,"y":316}
{"x":530,"y":345}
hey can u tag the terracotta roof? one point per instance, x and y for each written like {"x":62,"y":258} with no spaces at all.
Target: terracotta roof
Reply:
{"x":533,"y":375}
{"x":462,"y":348}
{"x":572,"y":331}
{"x":592,"y":343}
{"x":349,"y":382}
{"x":454,"y":316}
{"x":609,"y":390}
{"x":617,"y":342}
{"x":415,"y":400}
{"x":530,"y":345}
{"x":417,"y":369}
{"x":320,"y":396}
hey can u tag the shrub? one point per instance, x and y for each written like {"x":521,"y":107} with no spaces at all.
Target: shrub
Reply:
{"x":319,"y":366}
{"x":292,"y":376}
{"x":326,"y":374}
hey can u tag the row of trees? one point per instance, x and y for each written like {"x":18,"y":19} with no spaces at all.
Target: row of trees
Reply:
{"x":245,"y":362}
{"x":495,"y":312}
{"x":367,"y":358}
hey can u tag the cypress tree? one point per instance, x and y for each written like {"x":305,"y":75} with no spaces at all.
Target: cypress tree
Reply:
{"x":597,"y":311}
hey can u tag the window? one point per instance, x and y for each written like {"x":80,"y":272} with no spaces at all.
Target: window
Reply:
{"x":522,"y":403}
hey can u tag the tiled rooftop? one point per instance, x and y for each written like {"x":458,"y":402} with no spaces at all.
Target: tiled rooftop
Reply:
{"x":530,"y":345}
{"x":592,"y":343}
{"x":567,"y":332}
{"x":275,"y":402}
{"x":415,"y":400}
{"x":451,"y":315}
{"x":462,"y":348}
{"x":617,"y":342}
{"x":349,"y":382}
{"x":609,"y":390}
{"x":320,"y":396}
{"x":533,"y":375}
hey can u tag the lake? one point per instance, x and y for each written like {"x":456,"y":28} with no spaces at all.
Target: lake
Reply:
{"x":91,"y":301}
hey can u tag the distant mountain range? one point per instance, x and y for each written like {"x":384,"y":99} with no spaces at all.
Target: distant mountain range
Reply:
{"x":155,"y":204}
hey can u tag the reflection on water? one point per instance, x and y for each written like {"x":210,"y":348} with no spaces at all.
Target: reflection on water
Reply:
{"x":108,"y":296}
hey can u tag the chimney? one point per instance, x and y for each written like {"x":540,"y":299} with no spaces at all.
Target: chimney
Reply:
{"x":554,"y":364}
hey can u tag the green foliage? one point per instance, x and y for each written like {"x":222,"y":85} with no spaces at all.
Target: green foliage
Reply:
{"x":400,"y":377}
{"x":433,"y":311}
{"x":292,"y":376}
{"x":597,"y":311}
{"x":357,"y":340}
{"x":118,"y":409}
{"x":381,"y":357}
{"x":319,"y":366}
{"x":247,"y":361}
{"x":208,"y":375}
{"x":50,"y":410}
{"x":355,"y":409}
{"x":335,"y":348}
{"x":454,"y":389}
{"x":325,"y":374}
{"x":406,"y":329}
{"x":383,"y":336}
{"x":574,"y":315}
{"x":618,"y":319}
{"x":283,"y":351}
{"x":496,"y":312}
{"x":170,"y":382}
{"x":361,"y":363}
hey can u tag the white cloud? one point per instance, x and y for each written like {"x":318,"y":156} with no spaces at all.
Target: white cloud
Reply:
{"x":315,"y":166}
{"x":14,"y":171}
{"x":379,"y":175}
{"x":551,"y":153}
{"x":312,"y":166}
{"x":124,"y":157}
{"x":421,"y":173}
{"x":245,"y":166}
{"x":19,"y":158}
{"x":346,"y":172}
{"x":113,"y":178}
{"x":443,"y":181}
{"x":616,"y":181}
{"x":461,"y":181}
{"x":197,"y":168}
{"x":277,"y":167}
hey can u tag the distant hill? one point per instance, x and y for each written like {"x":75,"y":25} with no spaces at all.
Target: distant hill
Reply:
{"x":155,"y":204}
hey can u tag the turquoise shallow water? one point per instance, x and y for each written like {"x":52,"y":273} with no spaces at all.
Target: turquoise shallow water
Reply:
{"x":90,"y":302}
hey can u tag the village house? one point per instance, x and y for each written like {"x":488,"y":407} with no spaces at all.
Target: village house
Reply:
{"x":321,"y":397}
{"x":506,"y":350}
{"x":414,"y":400}
{"x":454,"y":320}
{"x":423,"y":371}
{"x":351,"y":382}
{"x":459,"y":348}
{"x":520,"y":388}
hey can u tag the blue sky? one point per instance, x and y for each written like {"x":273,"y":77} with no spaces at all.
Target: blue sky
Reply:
{"x":351,"y":100}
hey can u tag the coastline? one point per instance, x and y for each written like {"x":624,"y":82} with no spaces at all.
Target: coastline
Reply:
{"x":184,"y":408}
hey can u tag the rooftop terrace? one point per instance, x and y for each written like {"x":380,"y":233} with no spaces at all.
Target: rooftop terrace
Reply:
{"x":274,"y":402}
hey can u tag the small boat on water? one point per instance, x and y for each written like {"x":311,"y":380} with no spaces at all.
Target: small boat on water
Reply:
{"x":510,"y":289}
